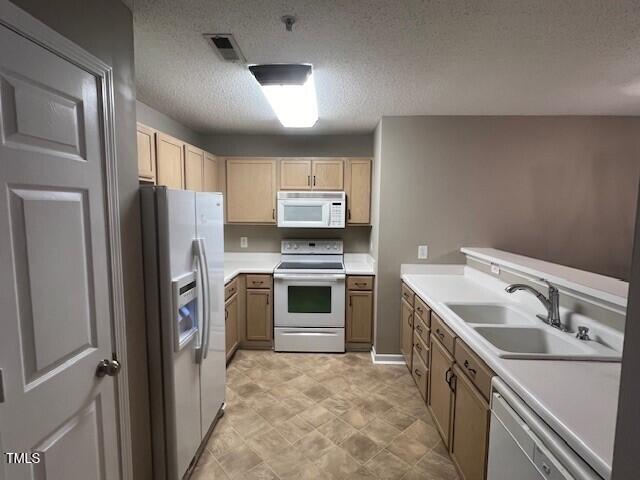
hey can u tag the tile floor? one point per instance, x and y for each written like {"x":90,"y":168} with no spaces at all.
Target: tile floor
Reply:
{"x":320,"y":416}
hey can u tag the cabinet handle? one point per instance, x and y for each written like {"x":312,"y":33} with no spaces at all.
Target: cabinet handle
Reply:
{"x":419,"y":328}
{"x":226,"y":315}
{"x":314,"y":180}
{"x":446,"y":376}
{"x":419,"y":347}
{"x":348,"y":214}
{"x":410,"y":320}
{"x":256,"y":282}
{"x":273,"y":213}
{"x":268,"y":299}
{"x":417,"y":372}
{"x":440,"y":334}
{"x":361,"y":284}
{"x":472,"y":371}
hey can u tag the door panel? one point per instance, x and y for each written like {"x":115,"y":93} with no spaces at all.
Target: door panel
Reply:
{"x":169,"y":161}
{"x":251,"y":190}
{"x":358,"y":191}
{"x":231,"y":326}
{"x":210,"y":173}
{"x":328,"y":174}
{"x":146,"y":153}
{"x":54,"y":274}
{"x":359,"y":316}
{"x":295,"y":175}
{"x":406,"y":332}
{"x":193,"y":168}
{"x":259,"y":308}
{"x":440,"y":394}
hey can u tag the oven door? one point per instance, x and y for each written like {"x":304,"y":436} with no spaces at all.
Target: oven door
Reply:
{"x":303,"y":213}
{"x":309,"y":300}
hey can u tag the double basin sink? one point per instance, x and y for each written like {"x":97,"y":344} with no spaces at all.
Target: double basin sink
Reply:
{"x":514,"y":334}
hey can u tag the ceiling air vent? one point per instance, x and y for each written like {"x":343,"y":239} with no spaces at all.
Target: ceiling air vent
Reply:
{"x":226,"y":47}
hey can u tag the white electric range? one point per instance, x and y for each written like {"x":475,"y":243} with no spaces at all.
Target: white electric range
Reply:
{"x":309,"y":297}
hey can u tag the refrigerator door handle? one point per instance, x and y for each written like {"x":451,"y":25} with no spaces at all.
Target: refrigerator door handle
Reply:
{"x":206,"y":297}
{"x":197,"y":246}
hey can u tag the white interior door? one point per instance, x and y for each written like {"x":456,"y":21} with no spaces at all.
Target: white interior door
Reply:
{"x":54,"y":276}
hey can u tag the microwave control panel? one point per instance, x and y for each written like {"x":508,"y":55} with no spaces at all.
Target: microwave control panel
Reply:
{"x":336,"y":215}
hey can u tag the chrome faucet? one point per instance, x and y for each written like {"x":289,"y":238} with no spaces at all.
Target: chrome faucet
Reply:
{"x":552,"y":304}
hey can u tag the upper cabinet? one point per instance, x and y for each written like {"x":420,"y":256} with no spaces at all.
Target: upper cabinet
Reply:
{"x":295,"y":174}
{"x":311,"y":174}
{"x":193,"y":168}
{"x":210,"y":173}
{"x":146,"y":153}
{"x":169,"y":161}
{"x":327,"y":174}
{"x":358,"y":189}
{"x":251,"y":190}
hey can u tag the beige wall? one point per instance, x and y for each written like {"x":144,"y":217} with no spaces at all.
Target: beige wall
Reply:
{"x":562,"y":189}
{"x":104,"y":28}
{"x":153,"y":118}
{"x":267,"y":238}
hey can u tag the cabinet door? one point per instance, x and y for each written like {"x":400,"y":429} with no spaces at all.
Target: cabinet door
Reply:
{"x":359,"y":316}
{"x":169,"y":161}
{"x":210,"y":173}
{"x":358,"y":188}
{"x":295,"y":174}
{"x":259,"y":307}
{"x":470,"y":431}
{"x":406,"y":331}
{"x":193,"y":168}
{"x":146,"y":153}
{"x":231,"y":325}
{"x":251,"y":190}
{"x":327,"y":174}
{"x":440,"y":393}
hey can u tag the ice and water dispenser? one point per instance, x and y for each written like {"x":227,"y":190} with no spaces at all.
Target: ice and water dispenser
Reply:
{"x":185,"y":302}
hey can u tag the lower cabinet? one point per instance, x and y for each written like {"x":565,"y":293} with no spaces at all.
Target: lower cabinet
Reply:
{"x":231,"y":325}
{"x":359,"y":315}
{"x":406,"y":331}
{"x":259,"y":325}
{"x":470,"y":432}
{"x":440,"y":388}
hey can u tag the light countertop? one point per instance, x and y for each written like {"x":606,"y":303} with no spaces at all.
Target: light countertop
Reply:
{"x":578,"y":400}
{"x":236,"y":263}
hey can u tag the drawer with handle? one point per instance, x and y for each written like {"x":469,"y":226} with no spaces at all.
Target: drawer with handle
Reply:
{"x":421,"y":330}
{"x":420,"y":348}
{"x":230,"y":288}
{"x":419,"y":372}
{"x":258,"y":281}
{"x":474,"y":368}
{"x":423,"y":311}
{"x":359,"y":283}
{"x":408,"y":294}
{"x":443,"y":333}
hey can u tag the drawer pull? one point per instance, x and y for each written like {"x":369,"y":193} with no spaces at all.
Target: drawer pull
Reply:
{"x":256,"y":282}
{"x":472,"y":371}
{"x":419,"y":347}
{"x":361,"y":284}
{"x":440,"y":334}
{"x":419,"y":328}
{"x":419,"y":309}
{"x":417,"y":372}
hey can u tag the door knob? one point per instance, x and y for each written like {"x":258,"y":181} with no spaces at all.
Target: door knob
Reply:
{"x":108,"y":367}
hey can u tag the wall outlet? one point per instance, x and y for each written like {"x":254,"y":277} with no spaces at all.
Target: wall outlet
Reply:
{"x":423,"y":252}
{"x":244,"y":242}
{"x":495,"y":269}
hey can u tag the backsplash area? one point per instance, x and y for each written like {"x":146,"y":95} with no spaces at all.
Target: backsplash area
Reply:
{"x":267,"y":238}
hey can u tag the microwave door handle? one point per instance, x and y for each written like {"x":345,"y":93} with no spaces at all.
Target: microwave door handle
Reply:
{"x":207,"y":298}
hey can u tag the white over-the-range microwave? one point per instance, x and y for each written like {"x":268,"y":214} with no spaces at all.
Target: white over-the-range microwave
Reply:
{"x":312,"y":209}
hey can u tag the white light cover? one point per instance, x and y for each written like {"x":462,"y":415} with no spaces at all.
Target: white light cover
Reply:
{"x":295,"y":105}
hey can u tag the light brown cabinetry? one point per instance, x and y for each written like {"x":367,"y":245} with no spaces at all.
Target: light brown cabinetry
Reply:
{"x":440,"y":399}
{"x":146,"y":153}
{"x":358,"y":190}
{"x":295,"y":174}
{"x":359,"y":316}
{"x":193,"y":168}
{"x":231,"y":325}
{"x":169,"y":161}
{"x":210,"y":173}
{"x":259,"y":315}
{"x":251,"y":190}
{"x":420,"y":373}
{"x":406,"y":331}
{"x":327,"y":174}
{"x":470,"y":428}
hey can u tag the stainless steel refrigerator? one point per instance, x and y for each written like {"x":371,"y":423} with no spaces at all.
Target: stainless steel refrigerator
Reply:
{"x":184,"y":294}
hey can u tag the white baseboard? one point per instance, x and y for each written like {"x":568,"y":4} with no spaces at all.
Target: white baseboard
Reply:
{"x":386,"y":358}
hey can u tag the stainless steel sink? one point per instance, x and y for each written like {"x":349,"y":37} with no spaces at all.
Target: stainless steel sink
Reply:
{"x":491,"y":314}
{"x":513,"y":333}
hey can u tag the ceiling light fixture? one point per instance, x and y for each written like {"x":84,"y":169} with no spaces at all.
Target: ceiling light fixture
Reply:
{"x":290,"y":91}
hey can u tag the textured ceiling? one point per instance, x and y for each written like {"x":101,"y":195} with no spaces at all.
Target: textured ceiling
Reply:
{"x":403,"y":57}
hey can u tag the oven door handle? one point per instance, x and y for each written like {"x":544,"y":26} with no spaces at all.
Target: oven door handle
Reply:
{"x":329,"y":277}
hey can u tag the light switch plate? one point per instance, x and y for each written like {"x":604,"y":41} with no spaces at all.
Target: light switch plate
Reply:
{"x":495,"y":269}
{"x":423,"y":252}
{"x":244,"y":242}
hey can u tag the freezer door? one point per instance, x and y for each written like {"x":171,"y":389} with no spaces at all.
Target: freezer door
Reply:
{"x":209,"y":229}
{"x":177,"y":231}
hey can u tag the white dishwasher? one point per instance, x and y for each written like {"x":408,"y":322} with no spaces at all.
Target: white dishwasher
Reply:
{"x":523,"y":447}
